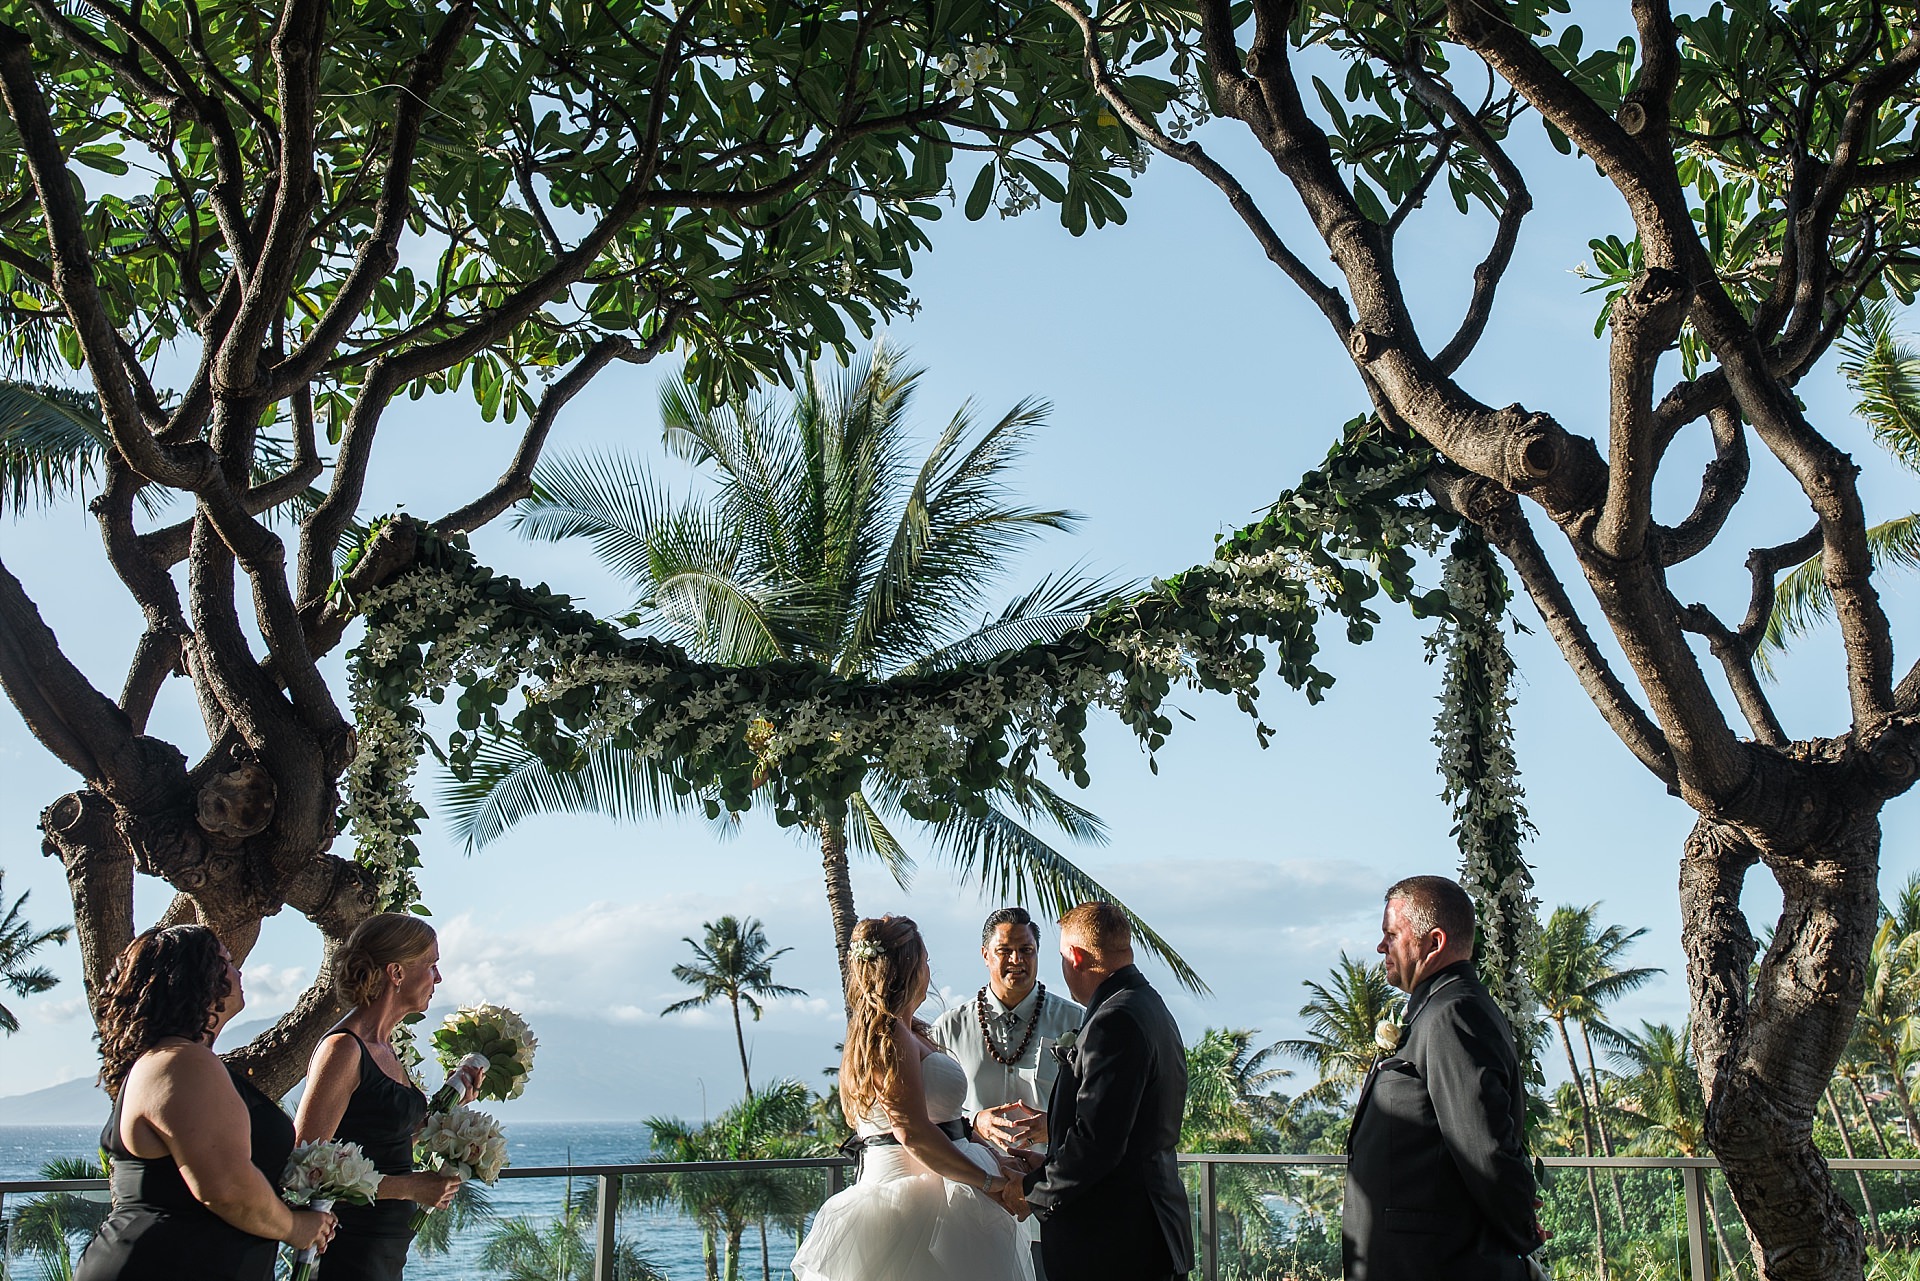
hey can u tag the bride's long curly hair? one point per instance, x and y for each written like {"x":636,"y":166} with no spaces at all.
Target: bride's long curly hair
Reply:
{"x":883,"y":959}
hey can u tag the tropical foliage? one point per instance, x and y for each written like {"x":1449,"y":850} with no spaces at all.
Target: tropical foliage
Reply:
{"x":1882,"y":367}
{"x":732,"y":963}
{"x":19,"y":941}
{"x":825,"y":541}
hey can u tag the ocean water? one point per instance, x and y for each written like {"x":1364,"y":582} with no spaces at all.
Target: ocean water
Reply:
{"x":663,"y":1235}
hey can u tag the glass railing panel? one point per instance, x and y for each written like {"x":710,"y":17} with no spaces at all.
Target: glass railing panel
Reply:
{"x":44,"y":1233}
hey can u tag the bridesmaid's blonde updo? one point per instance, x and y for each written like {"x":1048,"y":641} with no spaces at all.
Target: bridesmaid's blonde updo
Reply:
{"x":883,"y":960}
{"x":391,"y":938}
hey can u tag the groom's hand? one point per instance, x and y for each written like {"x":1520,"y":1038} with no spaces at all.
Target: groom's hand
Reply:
{"x":1026,"y":1160}
{"x":1013,"y":1199}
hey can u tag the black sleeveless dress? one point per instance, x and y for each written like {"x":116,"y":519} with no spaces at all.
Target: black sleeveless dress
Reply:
{"x":156,"y":1226}
{"x":382,"y":1116}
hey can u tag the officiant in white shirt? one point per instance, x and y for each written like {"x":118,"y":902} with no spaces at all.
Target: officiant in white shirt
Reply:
{"x":1004,"y":1038}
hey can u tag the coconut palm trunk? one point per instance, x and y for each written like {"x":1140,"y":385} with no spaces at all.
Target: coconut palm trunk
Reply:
{"x":1600,"y":1121}
{"x":1866,"y":1110}
{"x":833,"y":862}
{"x":1859,"y":1177}
{"x":740,"y":1043}
{"x":1586,"y":1139}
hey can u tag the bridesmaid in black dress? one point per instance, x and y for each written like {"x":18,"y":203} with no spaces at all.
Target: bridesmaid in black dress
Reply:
{"x":197,"y":1150}
{"x":357,"y":1089}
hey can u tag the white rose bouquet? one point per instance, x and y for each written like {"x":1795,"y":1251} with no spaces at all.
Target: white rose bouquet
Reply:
{"x":463,"y":1143}
{"x":320,"y":1174}
{"x":496,"y":1034}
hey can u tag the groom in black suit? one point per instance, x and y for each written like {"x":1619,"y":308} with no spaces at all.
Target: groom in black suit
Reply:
{"x":1439,"y":1187}
{"x":1108,"y":1189}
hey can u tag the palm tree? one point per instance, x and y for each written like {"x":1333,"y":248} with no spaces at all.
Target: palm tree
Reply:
{"x":1576,"y":972}
{"x":472,"y":1205}
{"x":821,"y":543}
{"x":18,"y":943}
{"x":1659,"y":1085}
{"x":1884,"y":1030}
{"x":1884,"y":371}
{"x":525,"y":1249}
{"x":1231,"y":1108}
{"x":54,"y":1224}
{"x":1342,"y":1018}
{"x":773,"y":1124}
{"x":734,"y":963}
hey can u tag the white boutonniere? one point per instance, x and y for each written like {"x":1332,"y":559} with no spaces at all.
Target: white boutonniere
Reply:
{"x":1064,"y":1047}
{"x":1386,"y":1035}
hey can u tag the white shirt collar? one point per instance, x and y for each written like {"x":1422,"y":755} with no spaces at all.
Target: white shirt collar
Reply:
{"x":997,"y":1010}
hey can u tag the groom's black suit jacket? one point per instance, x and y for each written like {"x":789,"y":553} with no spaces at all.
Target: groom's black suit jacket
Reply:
{"x":1110,"y":1194}
{"x":1439,"y":1187}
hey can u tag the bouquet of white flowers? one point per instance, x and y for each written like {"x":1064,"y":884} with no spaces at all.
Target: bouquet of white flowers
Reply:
{"x":462,"y":1142}
{"x":318,"y":1175}
{"x":496,"y":1034}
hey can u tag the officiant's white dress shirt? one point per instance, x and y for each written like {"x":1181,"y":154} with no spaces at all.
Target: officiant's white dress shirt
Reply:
{"x":1029,"y":1079}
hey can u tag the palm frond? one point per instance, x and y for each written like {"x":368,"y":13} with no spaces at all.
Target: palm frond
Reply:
{"x":1802,"y":602}
{"x":52,"y":443}
{"x":956,"y":529}
{"x":1884,"y":372}
{"x":1056,"y":605}
{"x":510,"y":784}
{"x":869,"y":834}
{"x":1009,"y":862}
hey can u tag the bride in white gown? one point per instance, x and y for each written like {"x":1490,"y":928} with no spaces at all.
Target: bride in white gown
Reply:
{"x":924,"y":1207}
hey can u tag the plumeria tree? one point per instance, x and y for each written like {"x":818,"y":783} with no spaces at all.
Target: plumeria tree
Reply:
{"x":1757,"y":161}
{"x":245,"y":231}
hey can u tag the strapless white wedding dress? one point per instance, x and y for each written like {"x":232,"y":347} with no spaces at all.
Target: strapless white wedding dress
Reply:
{"x":902,"y":1222}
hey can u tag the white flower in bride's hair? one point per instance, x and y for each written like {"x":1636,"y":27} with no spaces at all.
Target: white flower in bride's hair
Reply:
{"x":865,"y":950}
{"x":1386,"y":1035}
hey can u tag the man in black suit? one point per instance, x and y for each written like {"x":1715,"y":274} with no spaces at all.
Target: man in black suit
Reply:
{"x":1108,"y":1189}
{"x":1438,"y":1182}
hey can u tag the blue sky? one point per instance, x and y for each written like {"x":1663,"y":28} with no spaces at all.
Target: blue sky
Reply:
{"x":1190,"y":384}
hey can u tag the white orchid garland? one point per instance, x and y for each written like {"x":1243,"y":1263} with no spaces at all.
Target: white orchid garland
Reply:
{"x":795,"y":735}
{"x":1480,"y":775}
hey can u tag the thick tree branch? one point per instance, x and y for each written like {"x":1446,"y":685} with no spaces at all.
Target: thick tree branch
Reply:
{"x":1828,"y":478}
{"x":1736,"y":658}
{"x":379,"y":253}
{"x":517,"y":482}
{"x":1646,"y":320}
{"x":77,"y":723}
{"x":1657,"y":204}
{"x":296,"y":60}
{"x":74,"y":278}
{"x":1721,"y":486}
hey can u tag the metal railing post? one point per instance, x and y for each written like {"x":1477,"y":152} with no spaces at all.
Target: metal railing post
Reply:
{"x":1693,"y":1186}
{"x":1209,"y":1224}
{"x":606,"y":1227}
{"x":836,"y":1179}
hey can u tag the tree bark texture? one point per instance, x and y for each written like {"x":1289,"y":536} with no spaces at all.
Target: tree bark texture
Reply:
{"x":1808,"y":809}
{"x":833,"y":863}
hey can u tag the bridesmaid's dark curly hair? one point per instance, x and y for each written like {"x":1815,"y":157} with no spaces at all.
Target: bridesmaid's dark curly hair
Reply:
{"x":169,"y":982}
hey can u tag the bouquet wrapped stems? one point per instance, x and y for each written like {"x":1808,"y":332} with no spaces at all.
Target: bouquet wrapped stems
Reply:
{"x":303,"y":1259}
{"x":448,"y":1096}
